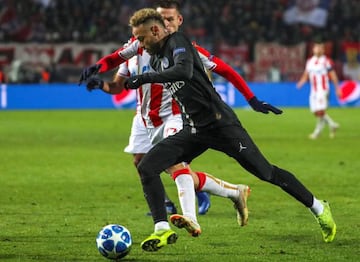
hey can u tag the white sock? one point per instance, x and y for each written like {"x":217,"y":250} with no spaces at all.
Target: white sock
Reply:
{"x":163,"y":225}
{"x":329,"y":120}
{"x":186,"y":191}
{"x":319,"y":125}
{"x":220,"y":187}
{"x":317,"y":208}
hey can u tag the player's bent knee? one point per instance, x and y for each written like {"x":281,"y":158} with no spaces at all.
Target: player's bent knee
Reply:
{"x":266,"y":175}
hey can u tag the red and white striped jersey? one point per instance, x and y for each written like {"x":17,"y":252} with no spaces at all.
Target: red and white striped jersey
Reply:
{"x":154,"y":102}
{"x":318,"y":69}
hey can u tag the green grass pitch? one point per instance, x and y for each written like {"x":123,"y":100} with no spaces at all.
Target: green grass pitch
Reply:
{"x":64,"y":175}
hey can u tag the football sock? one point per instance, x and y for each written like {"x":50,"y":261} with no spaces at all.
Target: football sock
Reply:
{"x":329,"y":120}
{"x":185,"y":185}
{"x":317,"y":208}
{"x":162,"y":225}
{"x":218,"y":187}
{"x":319,"y":125}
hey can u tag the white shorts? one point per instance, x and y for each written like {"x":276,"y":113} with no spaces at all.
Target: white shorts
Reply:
{"x":139,"y":141}
{"x":142,"y":139}
{"x":318,"y":101}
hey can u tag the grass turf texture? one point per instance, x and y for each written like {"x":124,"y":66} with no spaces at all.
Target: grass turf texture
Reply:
{"x":64,"y":176}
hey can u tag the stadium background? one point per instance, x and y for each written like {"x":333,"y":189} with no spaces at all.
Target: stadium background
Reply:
{"x":44,"y":44}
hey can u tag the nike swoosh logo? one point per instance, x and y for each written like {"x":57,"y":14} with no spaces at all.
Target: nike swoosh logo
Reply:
{"x":134,"y":81}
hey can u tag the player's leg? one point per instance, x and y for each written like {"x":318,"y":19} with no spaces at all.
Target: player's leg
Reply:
{"x":139,"y":145}
{"x":166,"y":153}
{"x":240,"y":146}
{"x":238,"y":194}
{"x":333,"y":126}
{"x":186,"y":193}
{"x":171,"y":126}
{"x":320,"y":123}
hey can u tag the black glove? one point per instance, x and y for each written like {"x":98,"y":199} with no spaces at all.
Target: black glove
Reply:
{"x":263,"y":107}
{"x":134,"y":82}
{"x":88,"y":71}
{"x":94,"y":82}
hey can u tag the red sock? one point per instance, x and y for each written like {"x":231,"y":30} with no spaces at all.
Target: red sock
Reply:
{"x":202,"y":179}
{"x":182,"y":171}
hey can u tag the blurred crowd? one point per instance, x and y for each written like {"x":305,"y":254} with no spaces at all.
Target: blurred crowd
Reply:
{"x":232,"y":20}
{"x":207,"y":22}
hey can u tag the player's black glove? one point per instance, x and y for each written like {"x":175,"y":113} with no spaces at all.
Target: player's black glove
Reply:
{"x":134,"y":82}
{"x":263,"y":107}
{"x":88,"y":71}
{"x":94,"y":82}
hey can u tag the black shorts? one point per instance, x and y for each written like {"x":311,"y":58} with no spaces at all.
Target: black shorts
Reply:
{"x":184,"y":146}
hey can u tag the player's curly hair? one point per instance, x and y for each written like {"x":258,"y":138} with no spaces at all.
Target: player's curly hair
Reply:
{"x":145,"y":15}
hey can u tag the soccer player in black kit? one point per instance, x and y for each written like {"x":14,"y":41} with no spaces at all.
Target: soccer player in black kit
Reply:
{"x":208,"y":123}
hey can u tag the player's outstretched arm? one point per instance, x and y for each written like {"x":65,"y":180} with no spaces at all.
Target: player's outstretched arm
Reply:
{"x":223,"y":69}
{"x":111,"y":61}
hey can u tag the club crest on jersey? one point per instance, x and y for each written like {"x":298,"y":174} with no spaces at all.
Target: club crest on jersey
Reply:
{"x":164,"y":63}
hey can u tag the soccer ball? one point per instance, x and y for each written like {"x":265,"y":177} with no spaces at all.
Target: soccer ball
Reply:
{"x":114,"y":241}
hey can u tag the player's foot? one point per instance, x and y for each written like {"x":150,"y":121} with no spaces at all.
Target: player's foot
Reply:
{"x":327,"y":223}
{"x":159,"y":239}
{"x":333,"y":129}
{"x":203,"y":202}
{"x":184,"y":222}
{"x":240,"y":204}
{"x":170,"y":208}
{"x":313,"y":136}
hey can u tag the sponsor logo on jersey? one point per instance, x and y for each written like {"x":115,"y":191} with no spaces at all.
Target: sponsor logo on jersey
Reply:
{"x":174,"y":87}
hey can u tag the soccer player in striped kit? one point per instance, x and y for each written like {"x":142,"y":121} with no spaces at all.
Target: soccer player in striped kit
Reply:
{"x":158,"y":116}
{"x":319,"y":71}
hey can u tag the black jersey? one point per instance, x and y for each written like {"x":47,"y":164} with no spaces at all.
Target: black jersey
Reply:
{"x":179,"y":67}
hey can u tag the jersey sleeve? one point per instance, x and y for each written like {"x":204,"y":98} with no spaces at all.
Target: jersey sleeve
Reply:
{"x":182,"y":56}
{"x":123,"y":70}
{"x":218,"y":66}
{"x":118,"y":57}
{"x":329,"y":64}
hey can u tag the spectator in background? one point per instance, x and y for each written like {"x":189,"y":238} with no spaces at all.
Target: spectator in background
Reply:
{"x":306,"y":12}
{"x":3,"y":77}
{"x":351,"y":68}
{"x":45,"y":75}
{"x":274,"y":74}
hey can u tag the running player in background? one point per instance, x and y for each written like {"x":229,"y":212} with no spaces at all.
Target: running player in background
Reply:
{"x":319,"y":71}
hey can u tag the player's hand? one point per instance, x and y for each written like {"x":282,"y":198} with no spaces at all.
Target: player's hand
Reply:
{"x":94,"y":82}
{"x":88,"y":71}
{"x":263,"y":107}
{"x":134,"y":82}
